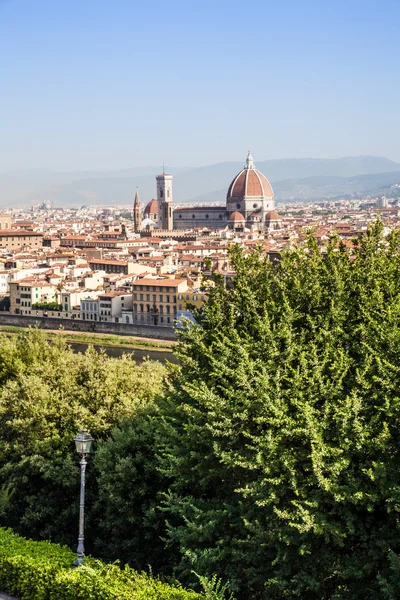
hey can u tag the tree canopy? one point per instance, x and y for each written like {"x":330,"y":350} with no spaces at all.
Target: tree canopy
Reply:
{"x":283,"y":428}
{"x":47,"y":394}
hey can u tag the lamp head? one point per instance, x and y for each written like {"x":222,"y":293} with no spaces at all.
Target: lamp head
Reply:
{"x":83,"y":442}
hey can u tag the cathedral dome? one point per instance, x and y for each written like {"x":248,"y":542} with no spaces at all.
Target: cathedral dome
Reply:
{"x":237,"y":217}
{"x":151,"y":208}
{"x":272,"y":215}
{"x":249,"y":183}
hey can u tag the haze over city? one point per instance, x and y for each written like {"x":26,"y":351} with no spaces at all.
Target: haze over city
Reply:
{"x":113,"y":85}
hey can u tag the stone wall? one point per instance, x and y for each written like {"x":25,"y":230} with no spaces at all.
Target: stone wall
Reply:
{"x":150,"y":331}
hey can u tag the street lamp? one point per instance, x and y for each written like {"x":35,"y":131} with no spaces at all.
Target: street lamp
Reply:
{"x":83,"y":442}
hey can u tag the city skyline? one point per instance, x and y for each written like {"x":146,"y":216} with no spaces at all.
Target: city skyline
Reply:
{"x":101,"y":86}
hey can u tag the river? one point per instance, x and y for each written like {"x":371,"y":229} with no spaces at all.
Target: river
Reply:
{"x":117,"y":351}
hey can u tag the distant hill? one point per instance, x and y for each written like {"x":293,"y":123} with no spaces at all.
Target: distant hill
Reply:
{"x":305,"y":178}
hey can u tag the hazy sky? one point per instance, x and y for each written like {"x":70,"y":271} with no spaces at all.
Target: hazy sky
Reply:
{"x":119,"y":83}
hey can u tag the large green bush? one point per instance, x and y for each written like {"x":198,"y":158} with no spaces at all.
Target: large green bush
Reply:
{"x":42,"y":571}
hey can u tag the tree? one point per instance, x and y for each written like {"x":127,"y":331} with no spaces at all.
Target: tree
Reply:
{"x":282,"y":439}
{"x":130,"y":524}
{"x":47,"y":395}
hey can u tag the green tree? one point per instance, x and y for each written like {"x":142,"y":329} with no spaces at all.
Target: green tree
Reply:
{"x":48,"y":393}
{"x":282,"y":439}
{"x":130,"y":526}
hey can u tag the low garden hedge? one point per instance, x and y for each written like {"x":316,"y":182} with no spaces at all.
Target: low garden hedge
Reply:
{"x":42,"y":571}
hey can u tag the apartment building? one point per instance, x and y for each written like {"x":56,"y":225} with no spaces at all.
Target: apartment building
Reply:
{"x":185,"y":302}
{"x":111,"y":306}
{"x":105,"y":307}
{"x":111,"y":266}
{"x":13,"y":239}
{"x":155,"y":300}
{"x":27,"y":292}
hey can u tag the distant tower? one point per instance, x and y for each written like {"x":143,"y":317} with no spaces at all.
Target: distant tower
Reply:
{"x":164,"y":199}
{"x":137,"y":212}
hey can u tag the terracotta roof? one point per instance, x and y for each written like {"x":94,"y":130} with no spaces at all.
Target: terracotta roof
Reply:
{"x":159,"y":282}
{"x":106,"y":261}
{"x":249,"y":183}
{"x":236,"y":216}
{"x":272,"y":215}
{"x":17,"y":233}
{"x":151,"y":208}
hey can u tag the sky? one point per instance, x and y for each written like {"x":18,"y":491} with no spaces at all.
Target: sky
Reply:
{"x":96,"y":84}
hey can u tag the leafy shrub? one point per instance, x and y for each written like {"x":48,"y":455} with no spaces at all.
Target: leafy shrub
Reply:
{"x":42,"y":571}
{"x":47,"y":306}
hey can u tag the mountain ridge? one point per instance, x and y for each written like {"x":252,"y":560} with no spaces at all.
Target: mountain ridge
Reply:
{"x":294,"y":178}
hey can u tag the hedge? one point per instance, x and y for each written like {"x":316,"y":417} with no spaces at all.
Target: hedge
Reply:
{"x":42,"y":571}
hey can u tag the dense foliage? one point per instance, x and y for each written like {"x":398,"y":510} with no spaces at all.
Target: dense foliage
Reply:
{"x":47,"y":306}
{"x":42,"y":571}
{"x":47,"y":395}
{"x":283,"y":439}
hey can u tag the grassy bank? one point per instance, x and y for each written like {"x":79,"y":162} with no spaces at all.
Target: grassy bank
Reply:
{"x":98,"y":339}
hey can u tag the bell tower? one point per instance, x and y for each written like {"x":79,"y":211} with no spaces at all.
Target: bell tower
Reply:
{"x":164,"y":199}
{"x":137,"y":212}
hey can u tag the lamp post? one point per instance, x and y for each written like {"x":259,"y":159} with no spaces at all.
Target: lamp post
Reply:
{"x":83,"y":442}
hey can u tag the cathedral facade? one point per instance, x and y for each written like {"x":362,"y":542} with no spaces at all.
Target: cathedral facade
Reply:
{"x":250,"y":205}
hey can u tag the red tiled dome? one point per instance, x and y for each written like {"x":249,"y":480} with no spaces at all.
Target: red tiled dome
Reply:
{"x":151,"y":208}
{"x":236,"y":216}
{"x":249,"y":183}
{"x":272,"y":215}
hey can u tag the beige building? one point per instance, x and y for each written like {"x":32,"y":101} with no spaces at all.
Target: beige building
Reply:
{"x":14,"y":239}
{"x":155,"y":300}
{"x":5,"y":221}
{"x":27,"y":292}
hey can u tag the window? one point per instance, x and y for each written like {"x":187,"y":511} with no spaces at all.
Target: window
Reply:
{"x":135,"y":296}
{"x":168,"y":310}
{"x":255,"y":205}
{"x":206,"y":216}
{"x":193,"y":216}
{"x":141,"y":296}
{"x":161,"y":298}
{"x":161,"y":193}
{"x":148,"y":297}
{"x":220,"y":216}
{"x":168,"y":320}
{"x":238,"y":205}
{"x":180,"y":307}
{"x":167,"y":298}
{"x":180,"y":216}
{"x":180,"y":296}
{"x":194,"y":298}
{"x":161,"y":310}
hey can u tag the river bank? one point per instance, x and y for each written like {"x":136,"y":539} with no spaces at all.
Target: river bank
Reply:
{"x":113,"y":345}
